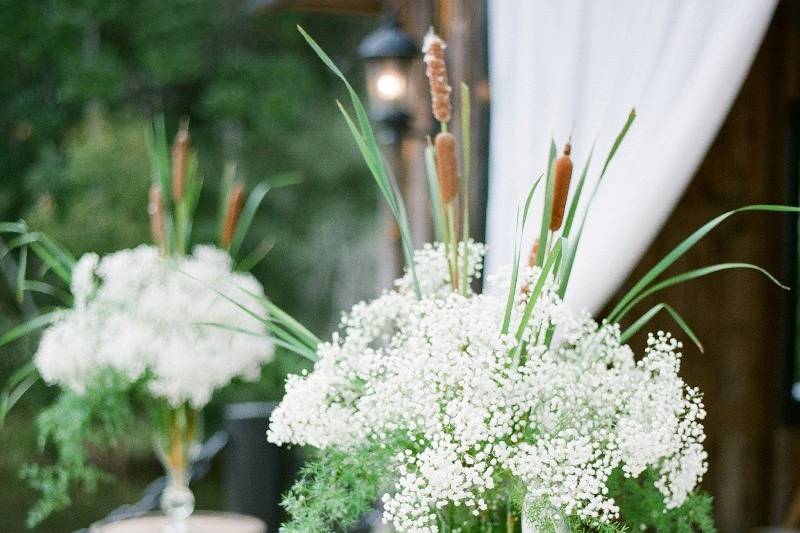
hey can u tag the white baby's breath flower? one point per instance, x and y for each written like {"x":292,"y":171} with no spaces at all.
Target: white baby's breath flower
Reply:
{"x":437,"y":374}
{"x":142,"y":315}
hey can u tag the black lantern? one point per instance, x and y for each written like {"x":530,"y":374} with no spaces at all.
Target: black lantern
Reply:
{"x":388,"y":52}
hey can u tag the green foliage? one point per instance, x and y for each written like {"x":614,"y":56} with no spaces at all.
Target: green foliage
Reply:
{"x":336,"y":489}
{"x":642,"y":506}
{"x":94,"y":196}
{"x":77,"y":425}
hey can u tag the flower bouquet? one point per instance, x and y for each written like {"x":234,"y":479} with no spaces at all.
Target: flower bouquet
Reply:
{"x":502,"y":410}
{"x":145,"y":335}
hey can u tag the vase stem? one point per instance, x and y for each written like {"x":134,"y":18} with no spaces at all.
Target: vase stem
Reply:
{"x":177,"y":444}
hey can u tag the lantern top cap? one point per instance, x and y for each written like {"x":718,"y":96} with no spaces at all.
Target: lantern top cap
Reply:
{"x":389,"y":40}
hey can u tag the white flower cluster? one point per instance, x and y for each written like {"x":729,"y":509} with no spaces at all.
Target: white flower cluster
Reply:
{"x":466,"y":405}
{"x":141,"y":315}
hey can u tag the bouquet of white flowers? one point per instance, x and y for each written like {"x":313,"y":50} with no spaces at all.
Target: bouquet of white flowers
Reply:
{"x":500,"y":410}
{"x":152,"y":319}
{"x":145,"y":333}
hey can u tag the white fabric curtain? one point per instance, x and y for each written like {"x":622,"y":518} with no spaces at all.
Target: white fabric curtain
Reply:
{"x":587,"y":62}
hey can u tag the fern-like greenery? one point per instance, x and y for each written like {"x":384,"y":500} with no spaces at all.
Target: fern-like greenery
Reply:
{"x":642,"y":506}
{"x":335,"y":489}
{"x":97,"y":420}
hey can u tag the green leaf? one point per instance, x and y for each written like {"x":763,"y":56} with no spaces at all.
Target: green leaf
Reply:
{"x":688,"y":276}
{"x":547,"y":212}
{"x":368,"y":146}
{"x":28,"y":327}
{"x":687,"y":244}
{"x":15,"y":388}
{"x":512,"y":288}
{"x":21,"y":272}
{"x":13,"y":227}
{"x":533,"y":296}
{"x":576,"y":196}
{"x":618,"y":140}
{"x":645,"y":318}
{"x":574,"y":242}
{"x":465,"y":156}
{"x":255,"y":256}
{"x":297,"y":348}
{"x":62,"y":271}
{"x":252,"y":204}
{"x":433,"y":190}
{"x":43,"y":287}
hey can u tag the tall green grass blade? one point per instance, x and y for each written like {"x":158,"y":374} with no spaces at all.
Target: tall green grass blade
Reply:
{"x":520,"y":228}
{"x":645,"y":318}
{"x":435,"y":196}
{"x":61,"y":253}
{"x":295,"y":326}
{"x":62,"y":271}
{"x":21,"y":273}
{"x":616,"y":316}
{"x":251,"y":206}
{"x":255,"y":256}
{"x":687,"y":244}
{"x":574,"y":242}
{"x":533,"y":296}
{"x":547,"y":212}
{"x":28,"y":327}
{"x":512,"y":287}
{"x":47,"y":250}
{"x":228,"y":177}
{"x":16,"y":387}
{"x":298,"y":349}
{"x":368,"y":145}
{"x":576,"y":196}
{"x":466,"y":122}
{"x":13,"y":227}
{"x":618,"y":141}
{"x":42,"y":287}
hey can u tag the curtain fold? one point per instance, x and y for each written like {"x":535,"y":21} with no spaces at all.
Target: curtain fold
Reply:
{"x":579,"y":66}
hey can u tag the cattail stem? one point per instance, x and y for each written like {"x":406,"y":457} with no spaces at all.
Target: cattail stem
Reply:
{"x":180,"y":161}
{"x":157,"y":218}
{"x":233,"y":210}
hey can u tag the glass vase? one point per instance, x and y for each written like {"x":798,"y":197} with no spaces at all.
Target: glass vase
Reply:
{"x":177,"y":443}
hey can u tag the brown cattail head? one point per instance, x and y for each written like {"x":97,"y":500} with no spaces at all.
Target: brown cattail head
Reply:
{"x":563,"y":175}
{"x":433,"y":48}
{"x":180,"y":160}
{"x":233,"y":209}
{"x":446,"y":166}
{"x":533,"y":254}
{"x":156,"y":211}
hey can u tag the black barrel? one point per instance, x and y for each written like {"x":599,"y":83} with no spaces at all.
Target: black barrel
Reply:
{"x":256,"y":473}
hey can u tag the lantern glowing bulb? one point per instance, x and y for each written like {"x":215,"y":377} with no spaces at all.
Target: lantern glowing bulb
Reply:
{"x":390,"y":85}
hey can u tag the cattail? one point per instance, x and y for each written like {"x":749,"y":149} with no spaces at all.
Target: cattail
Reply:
{"x":436,"y":70}
{"x":533,"y":254}
{"x":563,"y":174}
{"x":446,"y":167}
{"x":180,"y":160}
{"x":156,"y":211}
{"x":232,"y":211}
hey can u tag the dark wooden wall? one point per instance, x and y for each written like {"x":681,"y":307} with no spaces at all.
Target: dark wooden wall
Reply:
{"x":755,"y":460}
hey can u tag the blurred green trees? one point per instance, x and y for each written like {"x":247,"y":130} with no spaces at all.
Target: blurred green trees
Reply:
{"x":80,"y":80}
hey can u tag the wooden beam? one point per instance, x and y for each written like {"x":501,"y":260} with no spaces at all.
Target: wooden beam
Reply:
{"x":349,"y":7}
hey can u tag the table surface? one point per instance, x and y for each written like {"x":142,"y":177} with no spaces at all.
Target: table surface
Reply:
{"x":197,"y":523}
